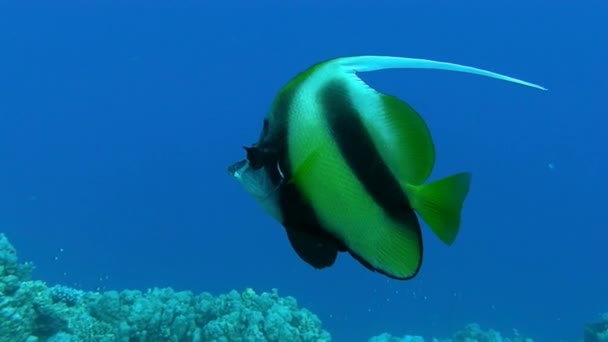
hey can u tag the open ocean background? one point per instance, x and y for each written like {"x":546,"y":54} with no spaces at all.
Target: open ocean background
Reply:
{"x":118,"y":120}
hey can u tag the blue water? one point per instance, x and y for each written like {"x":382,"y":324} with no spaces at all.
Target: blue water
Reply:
{"x":117,"y":123}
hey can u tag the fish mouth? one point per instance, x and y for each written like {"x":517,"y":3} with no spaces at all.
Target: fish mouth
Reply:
{"x":236,"y":168}
{"x":255,"y":181}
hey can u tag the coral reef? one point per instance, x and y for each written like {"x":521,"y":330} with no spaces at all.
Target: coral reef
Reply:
{"x":471,"y":333}
{"x":31,"y":311}
{"x":597,"y":331}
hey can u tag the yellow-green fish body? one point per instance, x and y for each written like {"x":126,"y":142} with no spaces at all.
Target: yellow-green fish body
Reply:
{"x":342,"y":167}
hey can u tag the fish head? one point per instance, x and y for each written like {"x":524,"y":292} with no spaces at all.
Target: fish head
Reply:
{"x":255,"y":180}
{"x":259,"y":174}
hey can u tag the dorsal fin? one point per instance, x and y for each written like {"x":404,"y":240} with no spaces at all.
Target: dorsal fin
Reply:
{"x":398,"y":130}
{"x":374,"y":63}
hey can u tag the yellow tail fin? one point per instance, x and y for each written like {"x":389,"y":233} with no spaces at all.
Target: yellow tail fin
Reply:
{"x":439,"y":204}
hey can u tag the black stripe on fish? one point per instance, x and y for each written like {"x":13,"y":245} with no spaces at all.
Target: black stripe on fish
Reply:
{"x":359,"y":151}
{"x":307,"y":237}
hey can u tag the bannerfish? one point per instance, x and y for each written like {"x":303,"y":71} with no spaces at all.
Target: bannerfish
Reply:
{"x":342,"y":167}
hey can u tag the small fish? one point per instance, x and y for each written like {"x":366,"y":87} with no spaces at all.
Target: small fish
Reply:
{"x":343,"y":168}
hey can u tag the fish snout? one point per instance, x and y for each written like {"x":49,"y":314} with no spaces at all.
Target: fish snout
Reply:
{"x":237,"y":168}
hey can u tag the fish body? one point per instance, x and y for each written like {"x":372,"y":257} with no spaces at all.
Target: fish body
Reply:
{"x":343,"y":168}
